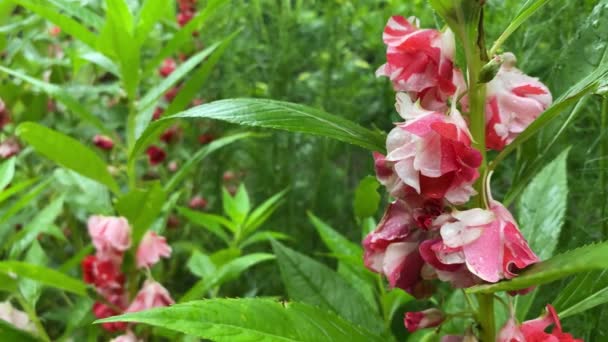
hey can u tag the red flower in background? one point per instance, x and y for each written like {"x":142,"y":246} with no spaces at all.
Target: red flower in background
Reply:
{"x":158,"y":112}
{"x":197,"y":202}
{"x":103,"y":142}
{"x":9,"y":147}
{"x":171,"y":134}
{"x":156,"y":155}
{"x":167,"y":67}
{"x":171,"y":93}
{"x":205,"y":138}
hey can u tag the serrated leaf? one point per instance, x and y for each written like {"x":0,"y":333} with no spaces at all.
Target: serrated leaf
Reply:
{"x":273,"y":114}
{"x":67,"y":152}
{"x":45,"y":276}
{"x":314,"y":283}
{"x":582,"y":259}
{"x":229,"y":271}
{"x":142,"y":208}
{"x":240,"y":320}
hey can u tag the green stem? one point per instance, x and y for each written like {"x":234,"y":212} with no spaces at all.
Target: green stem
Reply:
{"x":131,"y":124}
{"x":485,"y":317}
{"x":31,"y":313}
{"x":604,"y":163}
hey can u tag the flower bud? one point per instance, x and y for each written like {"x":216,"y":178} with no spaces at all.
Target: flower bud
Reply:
{"x":103,"y":142}
{"x":423,"y":319}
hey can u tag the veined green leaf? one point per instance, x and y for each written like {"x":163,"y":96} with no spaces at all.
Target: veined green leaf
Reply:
{"x":142,"y":208}
{"x":213,"y":223}
{"x":67,"y":24}
{"x":183,"y":36}
{"x":67,"y":152}
{"x":240,"y":320}
{"x":312,"y":282}
{"x":229,"y":271}
{"x":274,"y":114}
{"x":63,"y":97}
{"x":587,"y":258}
{"x":182,"y":70}
{"x":201,"y":154}
{"x":7,"y":172}
{"x":263,"y":212}
{"x":44,"y":275}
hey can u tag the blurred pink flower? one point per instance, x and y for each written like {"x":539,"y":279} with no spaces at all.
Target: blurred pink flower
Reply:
{"x":16,"y":317}
{"x":514,"y":100}
{"x":151,"y":295}
{"x":54,"y":31}
{"x":9,"y":148}
{"x":420,"y":61}
{"x":167,"y":67}
{"x":197,"y":202}
{"x":534,"y":330}
{"x":151,"y":248}
{"x":110,"y":235}
{"x":423,"y":319}
{"x":128,"y":337}
{"x":103,"y":142}
{"x":432,"y":154}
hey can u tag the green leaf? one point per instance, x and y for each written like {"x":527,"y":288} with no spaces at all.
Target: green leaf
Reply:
{"x":183,"y":36}
{"x":102,"y":61}
{"x":584,"y":291}
{"x":201,"y":154}
{"x":116,"y":41}
{"x":582,"y":259}
{"x":314,"y":283}
{"x":39,"y":224}
{"x":7,"y":172}
{"x":16,"y":188}
{"x":67,"y":24}
{"x":62,"y":96}
{"x":195,"y":83}
{"x":263,"y":212}
{"x":262,"y":237}
{"x":67,"y":152}
{"x":213,"y":223}
{"x":22,"y":202}
{"x":75,"y":260}
{"x":250,"y":319}
{"x":229,"y":271}
{"x":79,"y":12}
{"x":200,"y":265}
{"x":142,"y":208}
{"x":45,"y":276}
{"x":182,"y":70}
{"x":525,"y":12}
{"x":236,"y":207}
{"x":367,"y":198}
{"x":274,"y":114}
{"x":542,"y":210}
{"x":335,"y":241}
{"x":30,"y":289}
{"x":9,"y":332}
{"x":150,"y":13}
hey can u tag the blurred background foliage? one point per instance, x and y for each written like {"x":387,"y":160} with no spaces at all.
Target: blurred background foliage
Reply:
{"x":323,"y":54}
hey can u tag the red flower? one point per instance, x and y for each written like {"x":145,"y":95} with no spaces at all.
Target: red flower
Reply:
{"x":167,"y":67}
{"x":156,"y":155}
{"x":171,"y":93}
{"x":423,"y":319}
{"x":158,"y":112}
{"x":54,"y":31}
{"x":534,"y":330}
{"x":205,"y":138}
{"x":103,"y":142}
{"x":184,"y":17}
{"x":102,"y":311}
{"x":197,"y":202}
{"x":171,"y":134}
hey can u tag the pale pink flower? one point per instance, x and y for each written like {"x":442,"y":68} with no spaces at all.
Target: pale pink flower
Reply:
{"x":111,"y":235}
{"x":431,"y":154}
{"x":514,"y":100}
{"x":487,"y":241}
{"x":128,"y":337}
{"x":423,"y":319}
{"x":151,"y":248}
{"x":151,"y":295}
{"x":16,"y":317}
{"x":419,"y":61}
{"x":534,"y":330}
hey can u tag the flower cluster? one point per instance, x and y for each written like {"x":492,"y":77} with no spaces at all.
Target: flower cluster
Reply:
{"x":111,"y":237}
{"x":431,"y":167}
{"x":534,"y":330}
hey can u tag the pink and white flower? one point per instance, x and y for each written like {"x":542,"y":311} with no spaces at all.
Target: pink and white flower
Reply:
{"x":128,"y":337}
{"x":432,"y":154}
{"x":151,"y":295}
{"x":111,"y":235}
{"x":420,"y":61}
{"x":534,"y":330}
{"x":514,"y":100}
{"x":423,"y":319}
{"x":151,"y":248}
